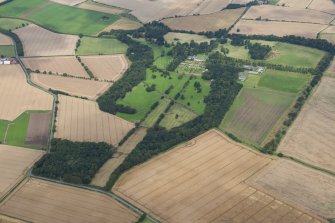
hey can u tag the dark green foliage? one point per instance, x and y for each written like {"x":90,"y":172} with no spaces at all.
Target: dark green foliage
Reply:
{"x":155,"y":31}
{"x":18,"y":43}
{"x":258,"y":51}
{"x":73,"y":162}
{"x":237,"y":40}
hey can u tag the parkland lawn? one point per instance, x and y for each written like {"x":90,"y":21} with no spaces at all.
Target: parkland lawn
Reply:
{"x":98,"y":46}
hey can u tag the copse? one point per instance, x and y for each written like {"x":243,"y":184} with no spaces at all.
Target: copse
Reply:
{"x":258,"y":51}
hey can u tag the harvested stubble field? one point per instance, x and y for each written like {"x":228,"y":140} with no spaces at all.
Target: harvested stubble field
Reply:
{"x":254,"y":27}
{"x":110,"y":68}
{"x":328,"y":34}
{"x":279,"y":13}
{"x":295,"y":3}
{"x":6,"y":219}
{"x":90,"y":89}
{"x":147,"y":11}
{"x":172,"y":186}
{"x":81,"y":120}
{"x":57,"y":65}
{"x":14,"y":163}
{"x":5,"y":40}
{"x":298,"y":185}
{"x":203,"y":23}
{"x":17,"y":95}
{"x":68,"y":2}
{"x":102,"y":176}
{"x":38,"y":129}
{"x":255,"y":112}
{"x":331,"y":70}
{"x":311,"y":138}
{"x":41,"y":42}
{"x":323,"y":6}
{"x":41,"y":201}
{"x":124,"y":24}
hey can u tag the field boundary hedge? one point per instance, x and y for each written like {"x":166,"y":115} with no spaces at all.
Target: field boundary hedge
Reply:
{"x":18,"y":43}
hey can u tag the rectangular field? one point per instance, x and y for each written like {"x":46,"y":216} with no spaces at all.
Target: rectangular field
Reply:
{"x":295,"y":3}
{"x":41,"y":201}
{"x":18,"y":96}
{"x":327,"y":6}
{"x":311,"y":138}
{"x":254,"y":114}
{"x":7,"y":51}
{"x":81,"y":120}
{"x":14,"y":163}
{"x":38,"y":129}
{"x":38,"y":41}
{"x":90,"y":89}
{"x":204,"y":181}
{"x":176,"y":116}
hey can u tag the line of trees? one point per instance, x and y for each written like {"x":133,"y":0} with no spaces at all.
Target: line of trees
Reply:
{"x":73,"y":162}
{"x":18,"y":43}
{"x":224,"y":88}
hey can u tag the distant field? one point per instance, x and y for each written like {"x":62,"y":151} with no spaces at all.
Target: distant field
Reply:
{"x":154,"y":115}
{"x":203,"y":23}
{"x":18,"y":7}
{"x":295,"y":3}
{"x":124,"y":24}
{"x":67,"y":2}
{"x":323,"y":5}
{"x":184,"y":37}
{"x":328,"y":34}
{"x":11,"y":24}
{"x":95,"y":6}
{"x":176,"y":116}
{"x":254,"y":114}
{"x":284,"y":81}
{"x":97,"y":46}
{"x":5,"y":40}
{"x":7,"y":51}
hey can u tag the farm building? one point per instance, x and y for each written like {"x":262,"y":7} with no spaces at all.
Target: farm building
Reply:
{"x":253,"y":69}
{"x":7,"y":61}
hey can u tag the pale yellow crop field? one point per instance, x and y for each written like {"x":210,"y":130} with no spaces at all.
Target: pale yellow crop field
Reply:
{"x":5,"y":40}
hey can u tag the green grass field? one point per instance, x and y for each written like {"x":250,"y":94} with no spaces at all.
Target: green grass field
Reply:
{"x":154,"y":115}
{"x":252,"y":81}
{"x":284,"y":81}
{"x":255,"y":112}
{"x":11,"y":24}
{"x":184,"y":37}
{"x":176,"y":116}
{"x":7,"y":51}
{"x":139,"y":99}
{"x":192,"y":99}
{"x":3,"y":129}
{"x":163,"y":62}
{"x":96,"y":46}
{"x":18,"y":7}
{"x":17,"y":130}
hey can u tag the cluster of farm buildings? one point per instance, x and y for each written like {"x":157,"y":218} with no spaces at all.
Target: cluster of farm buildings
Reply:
{"x":7,"y":61}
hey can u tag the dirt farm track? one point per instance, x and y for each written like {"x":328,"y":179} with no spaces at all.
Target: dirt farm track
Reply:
{"x":172,"y":186}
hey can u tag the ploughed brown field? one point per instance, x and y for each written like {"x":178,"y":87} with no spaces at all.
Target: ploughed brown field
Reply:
{"x":57,"y":65}
{"x":323,"y":5}
{"x":254,"y":27}
{"x":14,"y":163}
{"x":38,"y":129}
{"x":41,"y":201}
{"x":41,"y":42}
{"x":17,"y":96}
{"x":311,"y":138}
{"x":203,"y":23}
{"x":81,"y":120}
{"x":5,"y":40}
{"x":74,"y":86}
{"x":204,"y":181}
{"x":299,"y":185}
{"x":280,"y":13}
{"x":109,"y":67}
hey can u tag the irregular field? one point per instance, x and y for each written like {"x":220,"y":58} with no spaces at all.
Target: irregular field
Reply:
{"x":98,"y":46}
{"x":41,"y":42}
{"x":154,"y":115}
{"x":38,"y":129}
{"x":328,"y":34}
{"x":204,"y":23}
{"x":253,"y":27}
{"x":57,"y":65}
{"x":41,"y":201}
{"x":11,"y":24}
{"x":295,"y":3}
{"x":147,"y":11}
{"x":6,"y":219}
{"x":124,"y":24}
{"x":299,"y":185}
{"x":68,"y":2}
{"x":110,"y":68}
{"x":172,"y":186}
{"x":255,"y":112}
{"x":90,"y":5}
{"x":279,"y":13}
{"x":5,"y":40}
{"x":176,"y":116}
{"x":323,"y":5}
{"x":184,"y":37}
{"x":81,"y":120}
{"x":14,"y":163}
{"x":74,"y":86}
{"x":311,"y":138}
{"x":16,"y":131}
{"x":18,"y":95}
{"x":102,"y":176}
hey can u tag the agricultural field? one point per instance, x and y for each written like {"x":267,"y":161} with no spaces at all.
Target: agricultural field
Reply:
{"x":278,"y":13}
{"x":90,"y":89}
{"x":102,"y":176}
{"x":98,"y":46}
{"x":60,"y":65}
{"x":5,"y":40}
{"x":148,"y":11}
{"x":153,"y":116}
{"x":331,"y":70}
{"x":310,"y":139}
{"x":92,"y":5}
{"x":38,"y":129}
{"x":204,"y":23}
{"x":11,"y":24}
{"x":7,"y":51}
{"x":255,"y":112}
{"x":327,"y":6}
{"x":6,"y":219}
{"x":184,"y":37}
{"x":18,"y":95}
{"x":166,"y":188}
{"x":38,"y":41}
{"x":68,"y":2}
{"x":41,"y":201}
{"x":176,"y":116}
{"x":295,"y":3}
{"x":277,"y":28}
{"x":14,"y":162}
{"x":124,"y":24}
{"x":81,"y":120}
{"x":328,"y":34}
{"x":298,"y":185}
{"x":108,"y":68}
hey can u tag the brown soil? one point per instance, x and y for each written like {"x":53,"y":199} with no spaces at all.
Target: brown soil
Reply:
{"x":5,"y":40}
{"x":38,"y":129}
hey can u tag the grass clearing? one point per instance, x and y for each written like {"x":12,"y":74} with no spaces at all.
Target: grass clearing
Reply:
{"x":184,"y":37}
{"x":176,"y":116}
{"x":7,"y":51}
{"x":284,"y":81}
{"x":252,"y":80}
{"x":163,"y":62}
{"x":97,"y":46}
{"x":154,"y":115}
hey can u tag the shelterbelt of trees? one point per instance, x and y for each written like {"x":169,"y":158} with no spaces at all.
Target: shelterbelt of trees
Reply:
{"x":18,"y":43}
